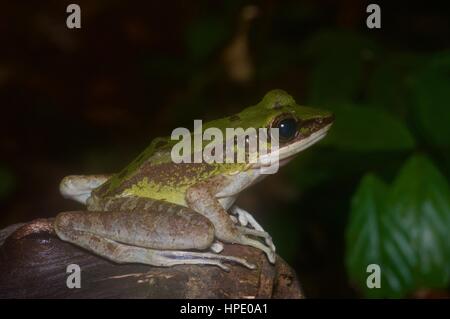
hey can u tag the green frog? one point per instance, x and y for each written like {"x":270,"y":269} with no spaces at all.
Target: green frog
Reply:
{"x":161,"y":213}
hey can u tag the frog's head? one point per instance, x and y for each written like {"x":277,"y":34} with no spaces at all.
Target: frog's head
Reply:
{"x":299,"y":126}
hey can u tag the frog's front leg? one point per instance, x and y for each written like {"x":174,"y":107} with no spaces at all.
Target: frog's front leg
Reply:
{"x":144,"y":237}
{"x":201,"y":198}
{"x":245,"y":218}
{"x":79,"y":187}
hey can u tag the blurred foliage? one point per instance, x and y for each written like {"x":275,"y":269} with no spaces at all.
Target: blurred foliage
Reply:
{"x":432,"y":97}
{"x":338,"y":58}
{"x":363,"y":128}
{"x":7,"y":182}
{"x":403,"y":228}
{"x":206,"y":36}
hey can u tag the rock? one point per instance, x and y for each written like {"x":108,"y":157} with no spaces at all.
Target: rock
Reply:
{"x":34,"y":265}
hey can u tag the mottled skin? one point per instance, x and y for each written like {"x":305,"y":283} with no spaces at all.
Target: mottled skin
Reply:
{"x":155,"y":211}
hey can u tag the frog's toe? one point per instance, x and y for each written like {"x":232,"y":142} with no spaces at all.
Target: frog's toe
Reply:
{"x":243,"y":219}
{"x":216,"y":247}
{"x":241,"y":261}
{"x":245,"y":240}
{"x":175,"y":257}
{"x":222,"y":266}
{"x":270,"y":243}
{"x":234,"y":219}
{"x":259,"y":233}
{"x":236,"y":260}
{"x":194,"y":261}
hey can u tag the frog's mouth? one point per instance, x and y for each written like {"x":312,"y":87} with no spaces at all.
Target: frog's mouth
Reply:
{"x":288,"y":151}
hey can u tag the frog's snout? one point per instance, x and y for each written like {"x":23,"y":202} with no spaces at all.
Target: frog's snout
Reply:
{"x":326,"y":120}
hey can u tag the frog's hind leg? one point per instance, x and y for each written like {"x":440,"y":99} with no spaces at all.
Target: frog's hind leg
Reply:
{"x":125,"y":238}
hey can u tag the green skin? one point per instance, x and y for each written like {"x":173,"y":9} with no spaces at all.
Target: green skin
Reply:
{"x":157,"y":212}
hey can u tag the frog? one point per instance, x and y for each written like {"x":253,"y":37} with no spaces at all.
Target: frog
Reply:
{"x":161,"y":213}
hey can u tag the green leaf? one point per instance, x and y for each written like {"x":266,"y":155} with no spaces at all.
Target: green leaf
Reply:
{"x":360,"y":128}
{"x":363,"y":235}
{"x":403,"y":229}
{"x":432,"y":99}
{"x":420,"y":206}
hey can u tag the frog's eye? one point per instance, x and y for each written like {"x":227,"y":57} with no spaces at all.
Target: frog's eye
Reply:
{"x":287,"y":128}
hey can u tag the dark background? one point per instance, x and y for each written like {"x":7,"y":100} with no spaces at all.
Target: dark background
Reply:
{"x":88,"y":100}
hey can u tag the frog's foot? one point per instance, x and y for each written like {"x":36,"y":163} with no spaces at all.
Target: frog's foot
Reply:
{"x":245,"y":218}
{"x":244,"y":240}
{"x":171,"y":258}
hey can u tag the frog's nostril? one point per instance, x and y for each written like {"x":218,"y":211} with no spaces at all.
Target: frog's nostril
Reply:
{"x":325,"y":120}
